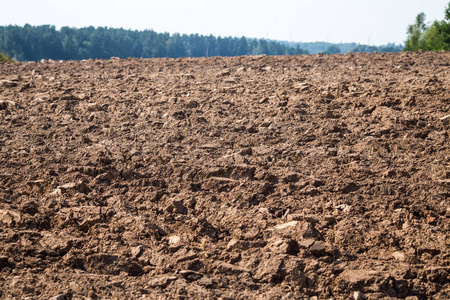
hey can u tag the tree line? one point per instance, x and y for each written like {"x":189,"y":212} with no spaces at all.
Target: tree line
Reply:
{"x":429,"y":38}
{"x":32,"y":43}
{"x":330,"y":48}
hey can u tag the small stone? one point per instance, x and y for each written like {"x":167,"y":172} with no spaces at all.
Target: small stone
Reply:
{"x":318,"y":248}
{"x":264,"y":100}
{"x":58,"y":297}
{"x":174,"y":239}
{"x":136,"y":251}
{"x":357,"y":295}
{"x":79,"y":186}
{"x":306,"y":243}
{"x":55,"y":193}
{"x":286,"y":225}
{"x":399,"y":256}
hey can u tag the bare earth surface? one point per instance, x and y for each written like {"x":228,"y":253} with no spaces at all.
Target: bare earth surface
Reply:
{"x":232,"y":178}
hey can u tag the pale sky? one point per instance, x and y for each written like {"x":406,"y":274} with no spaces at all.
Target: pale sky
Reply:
{"x":374,"y":22}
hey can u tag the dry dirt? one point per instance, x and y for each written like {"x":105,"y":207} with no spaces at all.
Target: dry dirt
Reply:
{"x":262,"y":177}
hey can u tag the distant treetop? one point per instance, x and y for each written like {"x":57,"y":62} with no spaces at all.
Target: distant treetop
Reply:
{"x":429,"y":38}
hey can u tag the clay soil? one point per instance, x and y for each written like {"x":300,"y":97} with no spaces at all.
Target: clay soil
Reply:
{"x":305,"y":177}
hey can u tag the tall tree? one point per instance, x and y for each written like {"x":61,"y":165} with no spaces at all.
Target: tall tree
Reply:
{"x":415,"y":33}
{"x":242,"y":48}
{"x":443,"y":29}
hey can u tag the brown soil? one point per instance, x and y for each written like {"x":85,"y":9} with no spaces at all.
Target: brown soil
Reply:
{"x":233,"y":178}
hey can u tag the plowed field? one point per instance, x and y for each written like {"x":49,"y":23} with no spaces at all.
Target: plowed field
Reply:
{"x":322,"y":176}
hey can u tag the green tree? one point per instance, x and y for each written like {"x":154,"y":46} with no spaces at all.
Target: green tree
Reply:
{"x":261,"y":48}
{"x":430,"y":38}
{"x":175,"y":47}
{"x":442,"y":29}
{"x":365,"y":48}
{"x":390,"y":48}
{"x":332,"y":49}
{"x":416,"y":34}
{"x":242,"y":46}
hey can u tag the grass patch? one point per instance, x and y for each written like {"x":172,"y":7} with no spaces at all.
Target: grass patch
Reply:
{"x":5,"y":58}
